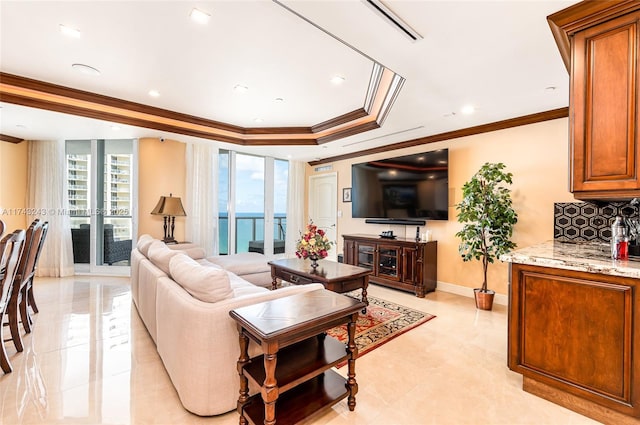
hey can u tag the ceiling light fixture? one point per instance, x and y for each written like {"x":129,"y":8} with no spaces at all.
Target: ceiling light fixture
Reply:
{"x":240,"y":88}
{"x":85,"y":69}
{"x":68,"y":31}
{"x":279,"y":99}
{"x":199,"y":16}
{"x":154,"y":93}
{"x":468,"y":109}
{"x":115,"y":127}
{"x":258,"y":120}
{"x":338,"y":79}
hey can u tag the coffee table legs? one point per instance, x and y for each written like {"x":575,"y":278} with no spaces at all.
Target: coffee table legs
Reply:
{"x":365,"y":300}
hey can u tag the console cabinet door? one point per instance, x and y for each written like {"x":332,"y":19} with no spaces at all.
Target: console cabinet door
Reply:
{"x":389,"y":262}
{"x":366,"y":256}
{"x":410,"y":266}
{"x":349,"y":252}
{"x":604,"y":110}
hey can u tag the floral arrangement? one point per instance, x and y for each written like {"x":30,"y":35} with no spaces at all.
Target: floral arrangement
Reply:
{"x":313,"y":243}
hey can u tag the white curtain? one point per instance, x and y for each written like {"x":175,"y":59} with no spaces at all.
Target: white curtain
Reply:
{"x":47,"y":200}
{"x":202,"y":202}
{"x":295,"y":206}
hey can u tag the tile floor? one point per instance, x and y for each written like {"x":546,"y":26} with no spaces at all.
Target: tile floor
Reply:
{"x":90,"y":360}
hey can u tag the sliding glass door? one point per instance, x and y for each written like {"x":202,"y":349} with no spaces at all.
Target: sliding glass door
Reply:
{"x":252,"y":203}
{"x":101,"y":179}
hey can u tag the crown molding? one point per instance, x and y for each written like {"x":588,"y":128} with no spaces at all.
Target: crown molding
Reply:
{"x":43,"y":95}
{"x":470,"y":131}
{"x":10,"y":139}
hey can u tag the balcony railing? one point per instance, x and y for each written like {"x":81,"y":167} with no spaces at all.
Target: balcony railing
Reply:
{"x":248,"y":228}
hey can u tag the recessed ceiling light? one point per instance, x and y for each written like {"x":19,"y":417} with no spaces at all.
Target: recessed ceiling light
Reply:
{"x":258,"y":120}
{"x":279,"y":99}
{"x":21,"y":126}
{"x":68,"y":31}
{"x":115,"y":127}
{"x":468,"y":109}
{"x":240,"y":88}
{"x":85,"y":69}
{"x":154,"y":93}
{"x":199,"y":16}
{"x":338,"y":79}
{"x":551,"y":88}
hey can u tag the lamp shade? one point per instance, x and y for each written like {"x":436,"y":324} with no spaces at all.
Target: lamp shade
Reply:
{"x":168,"y":205}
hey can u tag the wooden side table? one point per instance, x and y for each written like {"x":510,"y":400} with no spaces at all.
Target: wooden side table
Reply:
{"x":294,"y":372}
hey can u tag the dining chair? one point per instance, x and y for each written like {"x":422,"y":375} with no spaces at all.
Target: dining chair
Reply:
{"x":2,"y":227}
{"x":10,"y":251}
{"x":30,"y":299}
{"x":18,"y":303}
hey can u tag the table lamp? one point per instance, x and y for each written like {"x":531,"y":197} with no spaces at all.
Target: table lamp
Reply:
{"x":170,"y":208}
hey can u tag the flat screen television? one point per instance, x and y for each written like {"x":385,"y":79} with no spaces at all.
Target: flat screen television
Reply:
{"x":404,"y":187}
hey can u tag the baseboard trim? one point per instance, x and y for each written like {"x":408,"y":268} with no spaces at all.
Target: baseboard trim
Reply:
{"x":465,"y":291}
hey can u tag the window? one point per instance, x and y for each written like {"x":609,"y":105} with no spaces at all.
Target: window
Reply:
{"x":100,"y":179}
{"x":252,"y":203}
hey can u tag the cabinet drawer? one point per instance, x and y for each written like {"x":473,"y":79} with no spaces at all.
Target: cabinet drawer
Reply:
{"x":292,"y":278}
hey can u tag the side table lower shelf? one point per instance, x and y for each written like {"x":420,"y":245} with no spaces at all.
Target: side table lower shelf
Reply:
{"x":299,"y":362}
{"x":300,"y":402}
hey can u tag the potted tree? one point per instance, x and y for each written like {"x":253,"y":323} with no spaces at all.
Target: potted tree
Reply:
{"x":488,"y":217}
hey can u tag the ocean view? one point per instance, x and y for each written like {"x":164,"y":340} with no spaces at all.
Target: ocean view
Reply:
{"x":249,"y":227}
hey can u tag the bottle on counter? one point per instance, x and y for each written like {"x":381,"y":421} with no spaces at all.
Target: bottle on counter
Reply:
{"x":619,"y":240}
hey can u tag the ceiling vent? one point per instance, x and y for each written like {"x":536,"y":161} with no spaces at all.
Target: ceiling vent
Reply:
{"x":393,"y":19}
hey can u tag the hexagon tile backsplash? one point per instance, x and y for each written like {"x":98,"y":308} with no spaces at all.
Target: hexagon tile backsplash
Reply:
{"x":587,"y":222}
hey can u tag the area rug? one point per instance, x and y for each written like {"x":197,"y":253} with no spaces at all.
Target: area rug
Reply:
{"x":382,"y":322}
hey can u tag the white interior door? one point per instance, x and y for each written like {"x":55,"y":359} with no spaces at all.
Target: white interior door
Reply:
{"x":323,"y":192}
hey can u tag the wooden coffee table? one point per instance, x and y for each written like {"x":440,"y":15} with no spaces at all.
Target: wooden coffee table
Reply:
{"x":336,"y":277}
{"x":294,"y":372}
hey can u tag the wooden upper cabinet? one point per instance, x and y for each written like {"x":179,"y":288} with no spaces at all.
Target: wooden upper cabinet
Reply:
{"x":604,"y":38}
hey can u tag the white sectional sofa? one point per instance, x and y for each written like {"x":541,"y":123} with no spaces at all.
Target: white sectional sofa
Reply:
{"x":184,"y":301}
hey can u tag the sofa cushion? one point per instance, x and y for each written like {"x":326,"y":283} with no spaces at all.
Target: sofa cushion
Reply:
{"x":205,"y":262}
{"x":144,"y":242}
{"x":160,"y":254}
{"x":196,"y":253}
{"x":207,"y":284}
{"x":243,"y":262}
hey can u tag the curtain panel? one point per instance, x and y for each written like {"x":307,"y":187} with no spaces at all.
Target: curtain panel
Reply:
{"x":295,"y":206}
{"x":47,"y":199}
{"x":201,"y":202}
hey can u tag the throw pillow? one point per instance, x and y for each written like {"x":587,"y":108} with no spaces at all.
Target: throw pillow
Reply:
{"x":204,"y":283}
{"x":160,"y":254}
{"x":144,"y":242}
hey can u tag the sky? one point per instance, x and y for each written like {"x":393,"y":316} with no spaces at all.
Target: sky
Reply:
{"x":250,"y":184}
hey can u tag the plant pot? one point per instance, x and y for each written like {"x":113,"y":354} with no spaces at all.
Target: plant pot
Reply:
{"x":484,"y":299}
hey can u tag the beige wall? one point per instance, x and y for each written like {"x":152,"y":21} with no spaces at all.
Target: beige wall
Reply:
{"x":162,"y":170}
{"x":13,"y":184}
{"x":536,"y":154}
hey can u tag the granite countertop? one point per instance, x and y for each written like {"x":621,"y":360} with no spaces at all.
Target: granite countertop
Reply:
{"x":589,"y":257}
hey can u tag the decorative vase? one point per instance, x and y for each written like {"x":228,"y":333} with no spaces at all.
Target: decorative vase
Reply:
{"x":314,"y":261}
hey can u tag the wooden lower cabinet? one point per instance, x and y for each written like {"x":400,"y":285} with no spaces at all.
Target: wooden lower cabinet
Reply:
{"x":575,"y":338}
{"x":399,"y":263}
